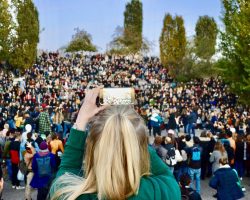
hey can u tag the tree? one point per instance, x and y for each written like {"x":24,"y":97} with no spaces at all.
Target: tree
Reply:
{"x":117,"y":45}
{"x":235,"y":46}
{"x":133,"y":39}
{"x":172,"y":43}
{"x":5,"y":30}
{"x":180,"y":40}
{"x":147,"y":45}
{"x":25,"y":42}
{"x":81,"y":41}
{"x":166,"y":40}
{"x":205,"y":37}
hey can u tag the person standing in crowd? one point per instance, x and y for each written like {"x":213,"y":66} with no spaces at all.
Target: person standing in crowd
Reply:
{"x":58,"y":119}
{"x":247,"y":155}
{"x":210,"y":149}
{"x":57,"y":149}
{"x":149,"y":124}
{"x":183,"y":165}
{"x":232,"y":145}
{"x":27,"y":137}
{"x":43,"y":166}
{"x":28,"y":120}
{"x":19,"y":120}
{"x":35,"y":115}
{"x":239,"y":156}
{"x":156,"y":122}
{"x":171,"y":154}
{"x":67,"y":121}
{"x":117,"y":131}
{"x":171,"y":134}
{"x":172,"y":122}
{"x":230,"y":152}
{"x":192,"y":118}
{"x":188,"y":193}
{"x":28,"y":157}
{"x":44,"y":121}
{"x":184,"y":120}
{"x":14,"y":155}
{"x":194,"y":156}
{"x":226,"y":181}
{"x":204,"y":142}
{"x":160,"y":150}
{"x":6,"y":152}
{"x":218,"y":153}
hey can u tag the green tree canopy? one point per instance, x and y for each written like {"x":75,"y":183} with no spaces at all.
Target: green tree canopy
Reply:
{"x":172,"y":43}
{"x":81,"y":41}
{"x":133,"y":18}
{"x":235,"y":46}
{"x":25,"y":42}
{"x":205,"y":37}
{"x":5,"y":30}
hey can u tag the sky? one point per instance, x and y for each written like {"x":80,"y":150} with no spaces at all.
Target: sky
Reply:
{"x":58,"y":18}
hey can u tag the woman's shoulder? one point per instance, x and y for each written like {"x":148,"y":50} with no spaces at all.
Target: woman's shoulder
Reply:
{"x":224,"y":170}
{"x":151,"y":187}
{"x":216,"y":152}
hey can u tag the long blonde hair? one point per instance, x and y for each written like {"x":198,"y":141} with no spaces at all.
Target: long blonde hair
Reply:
{"x":116,"y":157}
{"x":219,"y":147}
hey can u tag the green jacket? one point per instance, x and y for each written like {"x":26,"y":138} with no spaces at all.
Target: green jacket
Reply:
{"x":161,"y":185}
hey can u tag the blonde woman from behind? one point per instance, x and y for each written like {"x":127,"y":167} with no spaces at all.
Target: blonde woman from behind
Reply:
{"x":218,"y":153}
{"x":118,"y":164}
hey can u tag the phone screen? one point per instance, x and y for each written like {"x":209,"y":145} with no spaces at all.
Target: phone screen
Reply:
{"x":117,"y":96}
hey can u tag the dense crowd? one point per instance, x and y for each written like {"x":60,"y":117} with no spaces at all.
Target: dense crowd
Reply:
{"x":38,"y":109}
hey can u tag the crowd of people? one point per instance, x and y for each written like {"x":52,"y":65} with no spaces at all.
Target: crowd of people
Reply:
{"x":38,"y":109}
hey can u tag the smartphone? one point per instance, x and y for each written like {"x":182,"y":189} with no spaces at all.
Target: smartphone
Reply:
{"x":117,"y":96}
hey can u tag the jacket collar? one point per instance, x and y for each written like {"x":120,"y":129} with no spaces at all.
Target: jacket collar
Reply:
{"x":224,"y":166}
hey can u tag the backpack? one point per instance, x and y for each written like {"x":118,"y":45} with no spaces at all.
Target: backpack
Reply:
{"x":170,"y":160}
{"x":44,"y":166}
{"x":171,"y":152}
{"x":186,"y":196}
{"x":190,"y":194}
{"x":196,"y":154}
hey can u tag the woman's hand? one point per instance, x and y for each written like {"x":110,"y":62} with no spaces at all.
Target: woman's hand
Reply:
{"x":88,"y":109}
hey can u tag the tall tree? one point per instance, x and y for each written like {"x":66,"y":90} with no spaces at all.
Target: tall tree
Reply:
{"x":205,"y":37}
{"x":81,"y":41}
{"x":133,"y":26}
{"x":172,"y":43}
{"x":235,"y":46}
{"x":180,"y":39}
{"x":5,"y":30}
{"x":27,"y":35}
{"x":166,"y":39}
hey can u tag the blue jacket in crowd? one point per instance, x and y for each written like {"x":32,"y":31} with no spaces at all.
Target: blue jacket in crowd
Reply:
{"x":192,"y":118}
{"x":225,"y":181}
